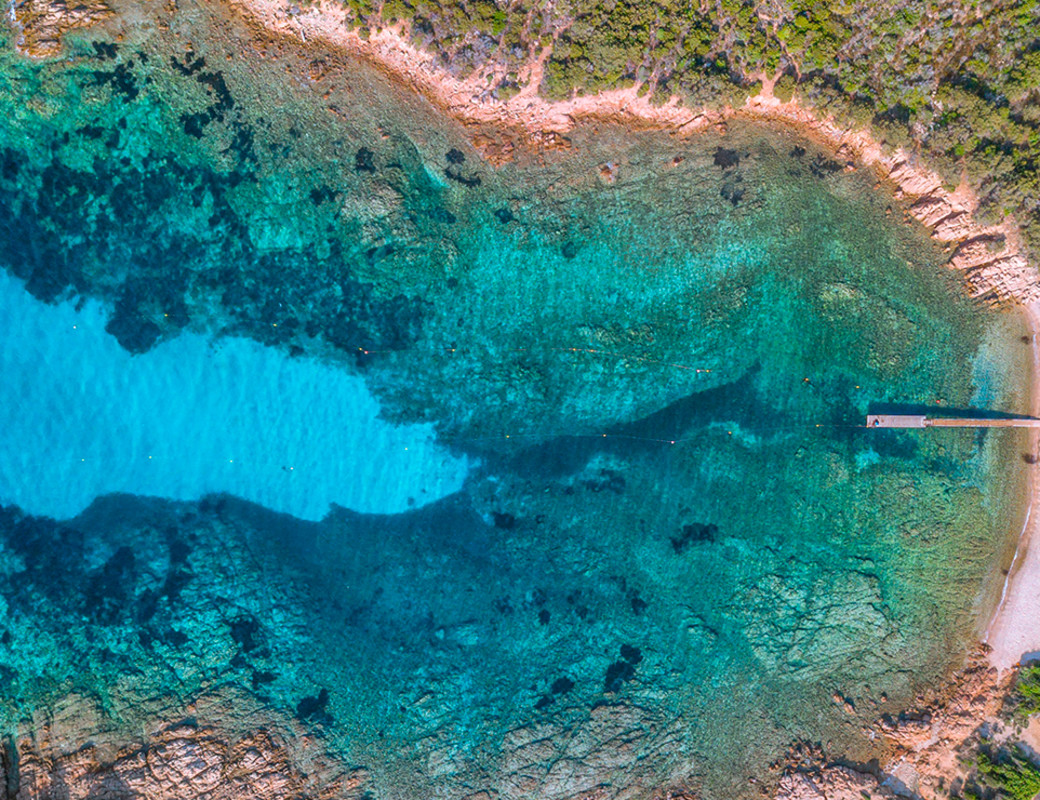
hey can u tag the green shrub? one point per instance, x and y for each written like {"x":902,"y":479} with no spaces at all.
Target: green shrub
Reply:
{"x":784,"y":88}
{"x":1013,"y":776}
{"x":1027,"y":692}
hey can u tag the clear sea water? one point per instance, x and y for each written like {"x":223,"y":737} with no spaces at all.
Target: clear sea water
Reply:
{"x":84,"y":418}
{"x":637,"y":502}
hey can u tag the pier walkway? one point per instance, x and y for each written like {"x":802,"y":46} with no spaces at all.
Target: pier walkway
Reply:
{"x":923,"y":421}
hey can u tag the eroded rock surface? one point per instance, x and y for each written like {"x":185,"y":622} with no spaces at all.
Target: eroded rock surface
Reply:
{"x":836,"y":783}
{"x":42,"y":23}
{"x":65,"y":757}
{"x":926,"y":744}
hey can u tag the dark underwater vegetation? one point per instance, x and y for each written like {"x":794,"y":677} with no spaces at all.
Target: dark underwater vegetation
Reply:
{"x":674,"y":532}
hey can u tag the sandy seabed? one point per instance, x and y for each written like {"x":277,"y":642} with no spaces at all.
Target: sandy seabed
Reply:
{"x":1013,"y":633}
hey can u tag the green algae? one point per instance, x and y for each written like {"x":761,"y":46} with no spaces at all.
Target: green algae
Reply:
{"x":684,"y":354}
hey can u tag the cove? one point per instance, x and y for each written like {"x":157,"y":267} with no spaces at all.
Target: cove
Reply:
{"x":741,"y":294}
{"x":82,"y":418}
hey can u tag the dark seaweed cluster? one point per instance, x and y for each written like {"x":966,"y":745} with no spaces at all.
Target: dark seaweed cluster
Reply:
{"x":559,"y":686}
{"x":315,"y":709}
{"x":623,"y":670}
{"x":155,"y":593}
{"x":454,"y":172}
{"x":694,"y":533}
{"x":125,"y":591}
{"x":127,"y":250}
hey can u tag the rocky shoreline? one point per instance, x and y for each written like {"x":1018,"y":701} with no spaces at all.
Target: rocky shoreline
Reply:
{"x":41,"y":24}
{"x":926,"y":744}
{"x":990,"y":259}
{"x":221,"y":746}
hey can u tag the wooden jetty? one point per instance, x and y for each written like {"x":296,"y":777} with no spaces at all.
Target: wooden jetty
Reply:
{"x":924,"y":421}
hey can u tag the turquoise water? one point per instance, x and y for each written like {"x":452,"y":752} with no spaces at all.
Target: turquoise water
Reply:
{"x":84,"y":418}
{"x":651,"y":512}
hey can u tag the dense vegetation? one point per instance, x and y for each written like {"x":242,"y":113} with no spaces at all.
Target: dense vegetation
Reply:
{"x":1009,"y":775}
{"x":958,"y":80}
{"x":1025,"y":698}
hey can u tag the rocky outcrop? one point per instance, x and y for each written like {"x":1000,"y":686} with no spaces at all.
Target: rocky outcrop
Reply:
{"x":71,"y":756}
{"x":230,"y":748}
{"x":835,"y":783}
{"x":42,"y":23}
{"x":990,"y":260}
{"x":993,"y":269}
{"x":926,"y":744}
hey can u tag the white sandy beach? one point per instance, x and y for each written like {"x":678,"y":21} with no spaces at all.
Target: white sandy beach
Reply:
{"x":1014,"y":631}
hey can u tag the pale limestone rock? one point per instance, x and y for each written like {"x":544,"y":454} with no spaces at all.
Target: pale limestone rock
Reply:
{"x":914,"y":182}
{"x":182,"y":761}
{"x":931,"y":210}
{"x":954,"y":228}
{"x":833,"y":783}
{"x":974,"y":253}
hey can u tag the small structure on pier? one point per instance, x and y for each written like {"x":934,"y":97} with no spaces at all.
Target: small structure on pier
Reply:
{"x":925,"y":421}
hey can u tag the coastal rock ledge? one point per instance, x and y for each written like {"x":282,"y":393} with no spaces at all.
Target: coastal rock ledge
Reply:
{"x":183,"y":759}
{"x":228,"y":747}
{"x":929,"y":747}
{"x":42,"y":23}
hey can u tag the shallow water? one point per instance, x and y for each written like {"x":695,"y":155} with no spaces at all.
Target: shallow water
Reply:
{"x":676,"y":531}
{"x":84,"y":418}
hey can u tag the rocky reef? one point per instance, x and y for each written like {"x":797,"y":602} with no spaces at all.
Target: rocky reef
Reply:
{"x":220,"y":660}
{"x":226,"y":746}
{"x":974,"y":736}
{"x":196,"y":760}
